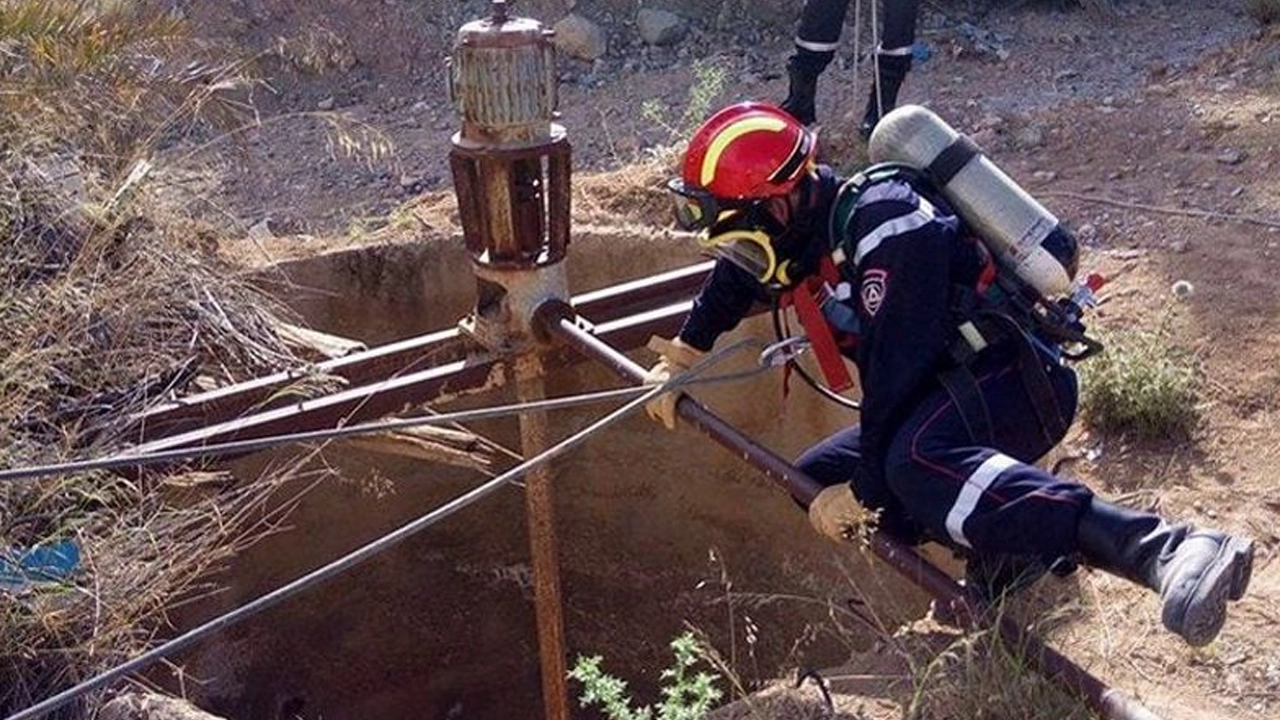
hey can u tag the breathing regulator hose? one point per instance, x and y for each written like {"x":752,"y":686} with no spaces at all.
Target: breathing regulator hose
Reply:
{"x":791,"y":352}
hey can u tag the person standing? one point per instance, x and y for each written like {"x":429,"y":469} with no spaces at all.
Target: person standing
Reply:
{"x":818,"y":37}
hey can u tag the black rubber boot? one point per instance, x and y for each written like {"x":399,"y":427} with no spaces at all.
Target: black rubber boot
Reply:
{"x":803,"y":69}
{"x":1195,"y":571}
{"x":891,"y":70}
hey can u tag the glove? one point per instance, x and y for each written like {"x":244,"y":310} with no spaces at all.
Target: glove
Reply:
{"x":675,"y":357}
{"x":837,"y":515}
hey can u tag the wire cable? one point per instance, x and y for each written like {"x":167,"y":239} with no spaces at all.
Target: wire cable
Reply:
{"x":127,"y":459}
{"x":649,"y":392}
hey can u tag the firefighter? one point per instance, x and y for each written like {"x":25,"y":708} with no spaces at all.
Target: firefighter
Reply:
{"x":938,"y":457}
{"x":818,"y":36}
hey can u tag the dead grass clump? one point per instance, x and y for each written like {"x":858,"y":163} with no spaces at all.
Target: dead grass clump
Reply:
{"x":1263,"y":12}
{"x":982,"y":675}
{"x":103,"y":311}
{"x":142,"y":545}
{"x":637,"y":192}
{"x":108,"y":79}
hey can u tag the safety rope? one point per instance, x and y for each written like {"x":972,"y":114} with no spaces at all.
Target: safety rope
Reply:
{"x":857,"y":49}
{"x":648,"y":393}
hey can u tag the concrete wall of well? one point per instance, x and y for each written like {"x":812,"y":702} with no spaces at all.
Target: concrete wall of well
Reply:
{"x":442,"y":626}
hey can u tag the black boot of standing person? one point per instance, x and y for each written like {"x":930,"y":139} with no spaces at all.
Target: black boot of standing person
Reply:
{"x":891,"y":69}
{"x":817,"y":37}
{"x":803,"y":69}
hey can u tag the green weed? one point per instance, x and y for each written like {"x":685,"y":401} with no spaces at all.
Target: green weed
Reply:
{"x":1144,"y":384}
{"x":709,"y":79}
{"x":687,"y":695}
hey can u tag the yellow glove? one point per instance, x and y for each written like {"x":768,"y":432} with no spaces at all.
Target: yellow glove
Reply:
{"x":675,"y":358}
{"x":836,"y":514}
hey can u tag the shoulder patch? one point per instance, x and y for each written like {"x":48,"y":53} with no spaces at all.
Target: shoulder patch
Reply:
{"x":874,"y":284}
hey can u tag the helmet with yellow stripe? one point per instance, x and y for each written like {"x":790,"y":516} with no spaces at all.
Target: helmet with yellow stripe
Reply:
{"x":744,"y":153}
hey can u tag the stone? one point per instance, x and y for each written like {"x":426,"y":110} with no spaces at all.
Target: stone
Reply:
{"x":660,"y":27}
{"x":1230,"y":156}
{"x":579,"y":37}
{"x":151,"y":706}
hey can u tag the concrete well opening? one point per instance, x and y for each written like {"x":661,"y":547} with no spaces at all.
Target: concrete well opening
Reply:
{"x":658,"y":531}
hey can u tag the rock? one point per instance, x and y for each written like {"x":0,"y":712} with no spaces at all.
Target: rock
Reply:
{"x":150,"y":706}
{"x":659,"y":27}
{"x":326,"y":104}
{"x":986,"y":138}
{"x":1030,"y":137}
{"x":1231,"y":156}
{"x":261,"y":231}
{"x":579,"y":37}
{"x":990,"y":122}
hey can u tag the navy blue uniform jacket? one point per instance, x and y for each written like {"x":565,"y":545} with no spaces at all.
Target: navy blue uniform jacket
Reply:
{"x":904,"y":255}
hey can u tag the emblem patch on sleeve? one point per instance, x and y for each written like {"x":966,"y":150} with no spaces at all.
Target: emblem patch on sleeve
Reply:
{"x":874,"y":284}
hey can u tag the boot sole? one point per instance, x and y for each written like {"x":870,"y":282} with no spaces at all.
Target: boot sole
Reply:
{"x":1200,"y":617}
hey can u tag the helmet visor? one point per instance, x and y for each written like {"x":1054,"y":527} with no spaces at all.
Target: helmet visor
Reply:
{"x":695,"y":208}
{"x":749,"y":249}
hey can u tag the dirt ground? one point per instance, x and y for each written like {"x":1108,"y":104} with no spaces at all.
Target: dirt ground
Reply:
{"x":1153,"y":131}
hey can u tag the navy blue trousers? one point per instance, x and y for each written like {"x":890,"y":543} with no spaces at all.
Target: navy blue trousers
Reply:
{"x":983,"y":498}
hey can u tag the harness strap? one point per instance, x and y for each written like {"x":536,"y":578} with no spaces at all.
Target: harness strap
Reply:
{"x":1036,"y":382}
{"x":992,"y":328}
{"x":821,"y":339}
{"x":785,"y":301}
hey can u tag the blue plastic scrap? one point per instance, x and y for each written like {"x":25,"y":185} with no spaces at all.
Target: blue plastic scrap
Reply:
{"x":22,"y":569}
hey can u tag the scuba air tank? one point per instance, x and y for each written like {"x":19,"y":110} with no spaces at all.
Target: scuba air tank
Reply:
{"x":1024,"y":236}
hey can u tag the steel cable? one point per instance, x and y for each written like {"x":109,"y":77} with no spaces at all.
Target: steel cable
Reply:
{"x":649,"y":392}
{"x":127,"y":459}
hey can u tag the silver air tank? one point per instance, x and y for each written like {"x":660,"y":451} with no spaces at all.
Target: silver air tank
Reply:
{"x":1023,"y":235}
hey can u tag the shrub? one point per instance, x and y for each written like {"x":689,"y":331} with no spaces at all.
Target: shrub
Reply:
{"x":1143,"y":385}
{"x":106,"y":308}
{"x":686,"y":695}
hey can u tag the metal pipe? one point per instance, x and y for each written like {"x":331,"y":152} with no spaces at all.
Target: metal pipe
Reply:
{"x":527,"y":375}
{"x":557,"y":321}
{"x":447,"y":381}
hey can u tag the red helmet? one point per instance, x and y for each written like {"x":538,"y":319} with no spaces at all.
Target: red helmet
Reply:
{"x":743,"y":154}
{"x":748,"y":151}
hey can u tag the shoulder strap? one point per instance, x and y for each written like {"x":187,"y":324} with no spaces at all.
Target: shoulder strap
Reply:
{"x":848,"y":194}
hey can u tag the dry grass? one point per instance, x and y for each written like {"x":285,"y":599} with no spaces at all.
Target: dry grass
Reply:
{"x":904,"y":666}
{"x":106,"y":305}
{"x":1263,"y":12}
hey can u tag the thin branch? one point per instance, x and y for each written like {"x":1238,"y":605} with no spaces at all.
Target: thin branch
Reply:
{"x":1188,"y":212}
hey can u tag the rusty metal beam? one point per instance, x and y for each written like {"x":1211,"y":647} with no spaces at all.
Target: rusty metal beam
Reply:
{"x":405,"y":358}
{"x":559,"y":322}
{"x":528,"y":376}
{"x":450,"y":380}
